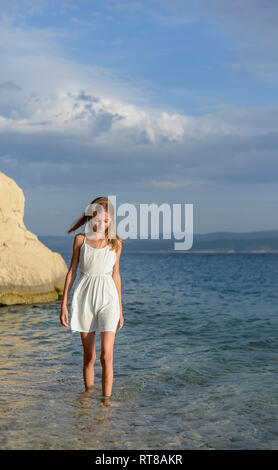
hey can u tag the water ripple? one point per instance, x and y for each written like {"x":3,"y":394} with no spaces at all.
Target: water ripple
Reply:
{"x":195,"y":366}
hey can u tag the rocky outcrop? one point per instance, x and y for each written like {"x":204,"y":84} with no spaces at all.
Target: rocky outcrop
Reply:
{"x":29,"y":271}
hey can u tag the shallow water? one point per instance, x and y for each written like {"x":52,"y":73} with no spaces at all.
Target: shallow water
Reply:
{"x":195,"y":365}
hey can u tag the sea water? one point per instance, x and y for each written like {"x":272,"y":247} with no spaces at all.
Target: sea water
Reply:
{"x":195,"y":364}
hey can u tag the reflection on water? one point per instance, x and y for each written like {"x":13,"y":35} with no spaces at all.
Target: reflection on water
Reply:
{"x":195,"y":365}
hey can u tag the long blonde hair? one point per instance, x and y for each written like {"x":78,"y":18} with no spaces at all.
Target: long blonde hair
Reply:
{"x":107,"y":206}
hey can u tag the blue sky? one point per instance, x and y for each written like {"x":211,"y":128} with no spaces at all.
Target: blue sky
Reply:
{"x":150,"y":101}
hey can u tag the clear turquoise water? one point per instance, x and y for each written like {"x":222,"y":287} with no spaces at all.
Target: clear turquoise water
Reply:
{"x":195,"y":365}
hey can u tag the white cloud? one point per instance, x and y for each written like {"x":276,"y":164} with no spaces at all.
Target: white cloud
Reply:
{"x":170,"y":185}
{"x":16,"y":11}
{"x":106,"y":121}
{"x":248,"y":27}
{"x":46,"y":98}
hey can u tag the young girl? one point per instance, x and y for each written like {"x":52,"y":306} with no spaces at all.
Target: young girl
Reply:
{"x":96,"y":302}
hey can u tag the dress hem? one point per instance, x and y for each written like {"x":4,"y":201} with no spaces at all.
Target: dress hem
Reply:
{"x":92,"y":331}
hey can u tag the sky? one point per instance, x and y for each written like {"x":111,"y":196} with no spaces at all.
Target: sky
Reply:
{"x":149,"y":101}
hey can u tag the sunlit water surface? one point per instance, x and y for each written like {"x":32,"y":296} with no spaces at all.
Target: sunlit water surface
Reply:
{"x":195,"y":365}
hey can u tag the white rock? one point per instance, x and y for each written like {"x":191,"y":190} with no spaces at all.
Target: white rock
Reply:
{"x":29,"y":271}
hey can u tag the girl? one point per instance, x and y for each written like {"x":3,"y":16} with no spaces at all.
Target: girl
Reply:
{"x":96,"y":302}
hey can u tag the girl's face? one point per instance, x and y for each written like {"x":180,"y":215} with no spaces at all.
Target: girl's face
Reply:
{"x":101,"y":222}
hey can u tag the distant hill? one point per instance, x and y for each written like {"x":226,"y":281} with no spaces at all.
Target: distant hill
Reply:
{"x":265,"y":241}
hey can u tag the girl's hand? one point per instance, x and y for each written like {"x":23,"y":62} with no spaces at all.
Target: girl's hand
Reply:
{"x":121,"y":322}
{"x":64,"y":316}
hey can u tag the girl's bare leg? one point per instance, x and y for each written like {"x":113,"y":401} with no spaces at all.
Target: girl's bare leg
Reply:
{"x":106,"y":359}
{"x":89,"y":357}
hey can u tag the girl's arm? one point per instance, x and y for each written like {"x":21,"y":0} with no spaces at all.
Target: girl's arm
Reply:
{"x":117,"y":278}
{"x":70,"y":277}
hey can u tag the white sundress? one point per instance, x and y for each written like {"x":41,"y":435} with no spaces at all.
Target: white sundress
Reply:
{"x":95,"y":302}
